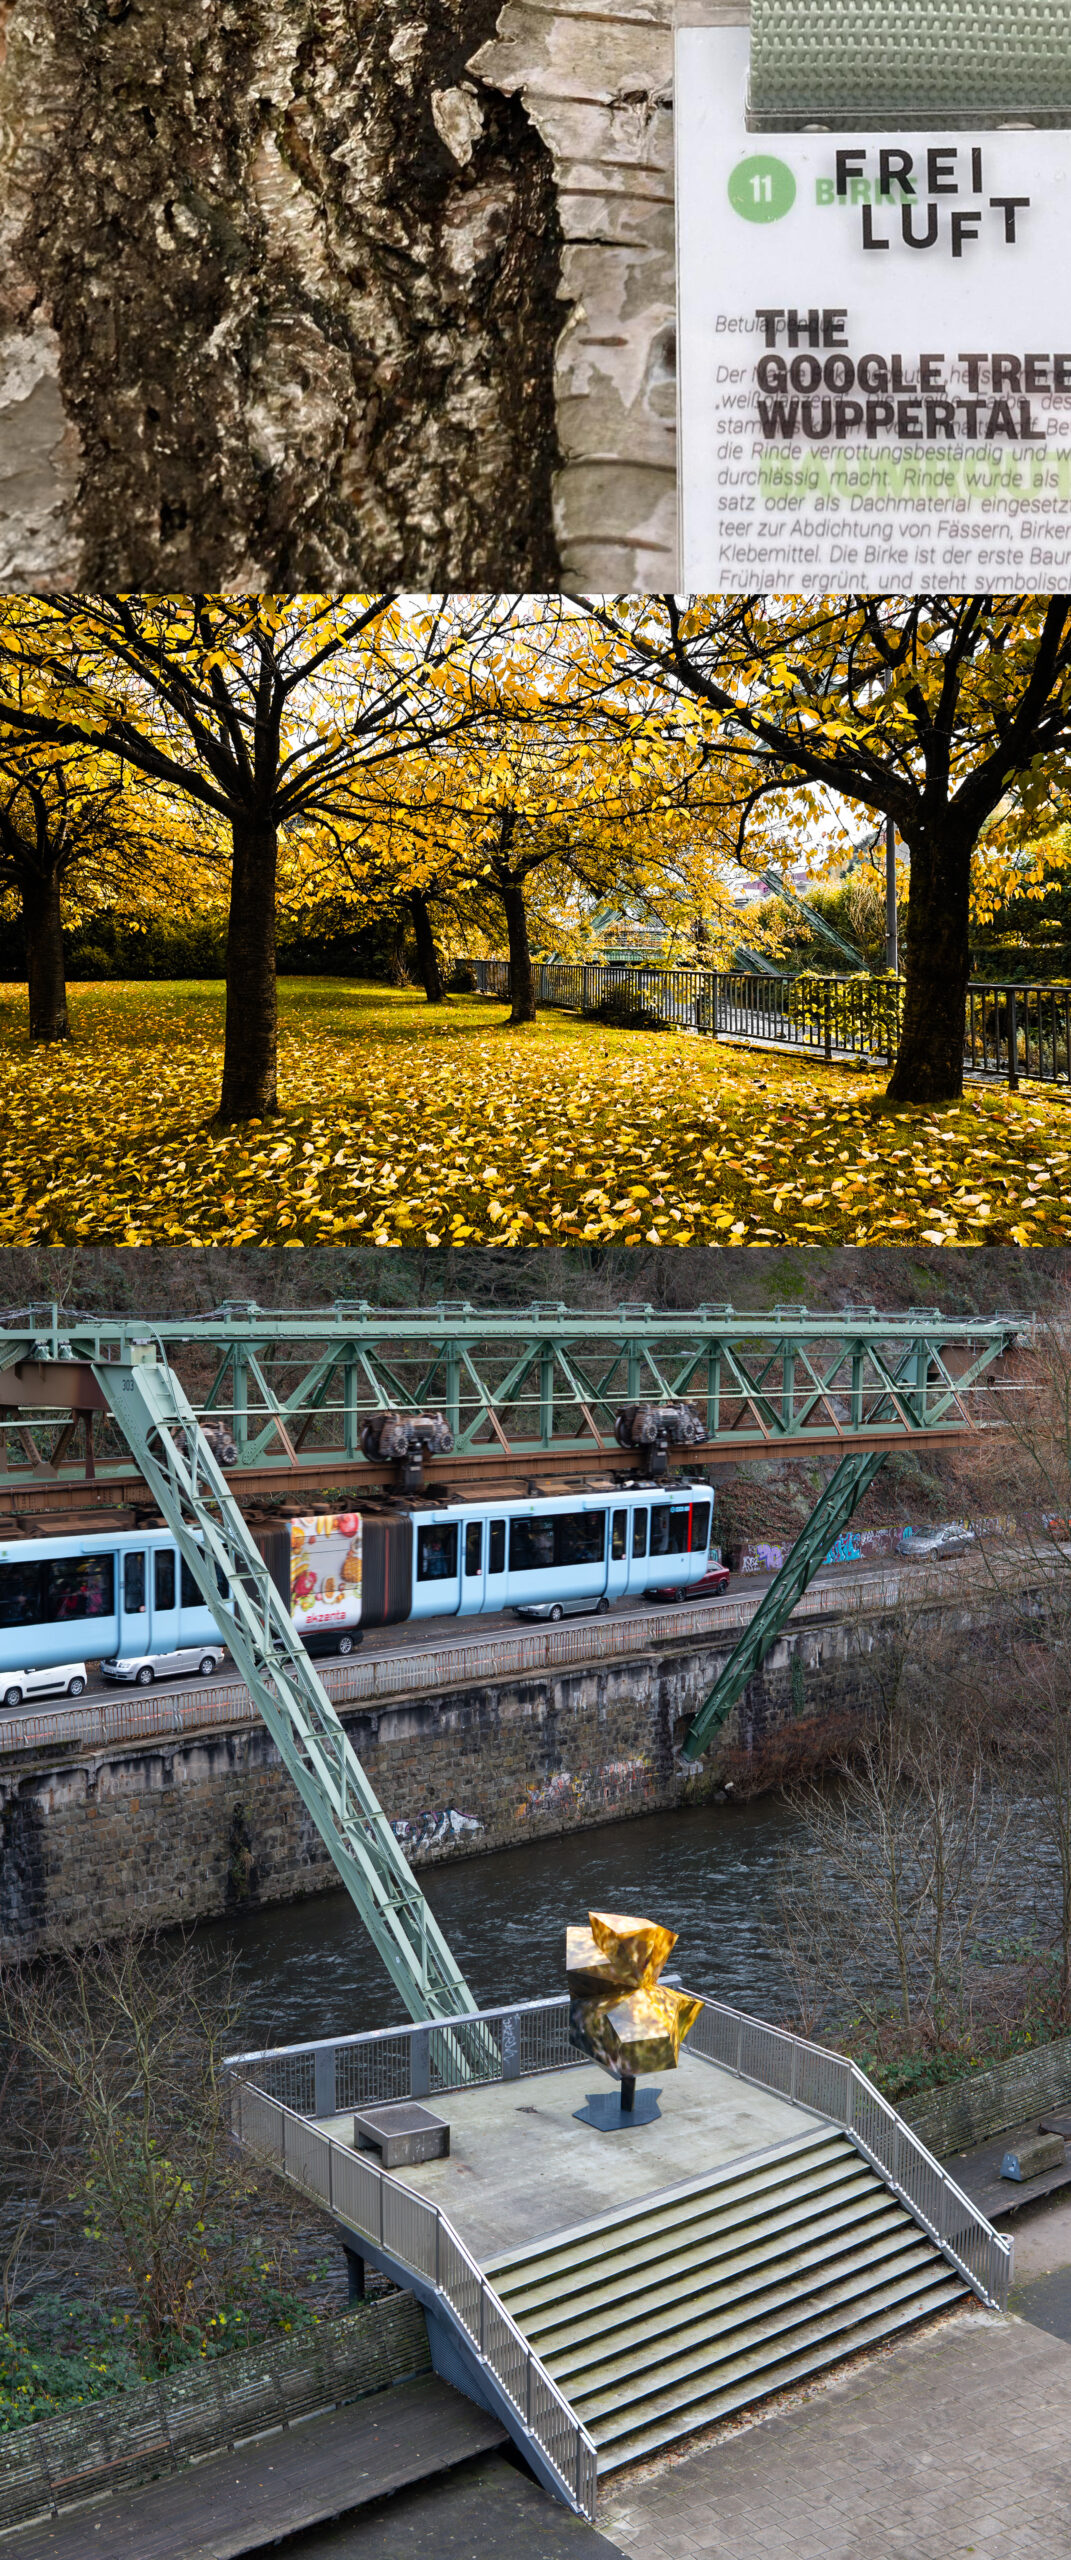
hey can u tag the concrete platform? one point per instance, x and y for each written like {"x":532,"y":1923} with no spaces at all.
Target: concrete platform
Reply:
{"x":521,"y":2168}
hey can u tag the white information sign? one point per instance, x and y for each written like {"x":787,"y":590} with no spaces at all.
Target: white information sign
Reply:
{"x":874,"y":350}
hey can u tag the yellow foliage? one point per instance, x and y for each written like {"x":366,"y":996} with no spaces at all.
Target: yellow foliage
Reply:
{"x":404,"y":1125}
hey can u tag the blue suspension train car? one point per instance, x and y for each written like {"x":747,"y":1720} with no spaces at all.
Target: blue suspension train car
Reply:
{"x":426,"y":1559}
{"x":107,"y":1593}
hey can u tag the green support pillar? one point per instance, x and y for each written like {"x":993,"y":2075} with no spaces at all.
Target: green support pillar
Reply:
{"x":831,"y":1514}
{"x":161,"y":1428}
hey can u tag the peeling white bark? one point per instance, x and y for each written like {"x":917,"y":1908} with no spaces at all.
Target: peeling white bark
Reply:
{"x":39,"y":464}
{"x":595,"y":77}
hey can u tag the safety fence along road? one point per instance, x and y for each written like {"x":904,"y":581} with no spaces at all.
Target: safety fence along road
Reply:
{"x":94,"y":1724}
{"x":1011,"y":1031}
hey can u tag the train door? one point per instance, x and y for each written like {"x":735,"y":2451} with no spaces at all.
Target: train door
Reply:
{"x":133,"y":1602}
{"x":618,"y":1563}
{"x":637,"y":1546}
{"x":473,"y":1566}
{"x":163,"y":1568}
{"x":437,"y":1580}
{"x":495,"y":1577}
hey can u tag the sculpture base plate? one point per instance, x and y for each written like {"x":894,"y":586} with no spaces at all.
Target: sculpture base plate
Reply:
{"x":603,"y":2109}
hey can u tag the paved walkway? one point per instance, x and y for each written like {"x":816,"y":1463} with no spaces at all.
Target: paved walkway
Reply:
{"x":955,"y":2445}
{"x":293,"y":2478}
{"x":488,"y":2511}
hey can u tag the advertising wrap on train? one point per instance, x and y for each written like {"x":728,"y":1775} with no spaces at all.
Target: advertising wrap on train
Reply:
{"x":325,"y":1570}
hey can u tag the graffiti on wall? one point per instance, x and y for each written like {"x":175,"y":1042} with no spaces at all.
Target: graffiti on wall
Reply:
{"x":434,"y":1829}
{"x":854,"y":1546}
{"x":561,"y":1794}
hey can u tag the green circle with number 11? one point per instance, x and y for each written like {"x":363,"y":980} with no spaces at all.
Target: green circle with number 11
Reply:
{"x":762,"y":189}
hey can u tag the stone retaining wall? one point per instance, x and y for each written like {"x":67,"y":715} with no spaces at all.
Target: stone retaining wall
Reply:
{"x":154,"y":1832}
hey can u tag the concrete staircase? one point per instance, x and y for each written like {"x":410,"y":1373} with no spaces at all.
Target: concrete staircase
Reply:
{"x":660,"y":2319}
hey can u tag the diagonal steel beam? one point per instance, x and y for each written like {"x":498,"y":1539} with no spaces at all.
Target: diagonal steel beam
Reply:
{"x":158,"y":1422}
{"x":832,"y":1510}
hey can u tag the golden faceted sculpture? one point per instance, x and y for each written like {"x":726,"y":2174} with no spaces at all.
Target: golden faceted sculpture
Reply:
{"x":621,"y":2014}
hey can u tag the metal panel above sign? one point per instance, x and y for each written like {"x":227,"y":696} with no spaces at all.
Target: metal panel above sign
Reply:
{"x":874,"y":359}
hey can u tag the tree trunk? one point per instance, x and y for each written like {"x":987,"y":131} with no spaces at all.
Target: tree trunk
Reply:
{"x":250,"y":1044}
{"x":328,"y":239}
{"x":427,"y":956}
{"x":929,"y":1061}
{"x":43,"y":920}
{"x":521,"y":975}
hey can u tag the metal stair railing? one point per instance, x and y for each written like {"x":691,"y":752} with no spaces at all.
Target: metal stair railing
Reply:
{"x":533,"y":2036}
{"x":162,"y":1429}
{"x":406,"y":2229}
{"x":809,"y":2075}
{"x":386,"y":2065}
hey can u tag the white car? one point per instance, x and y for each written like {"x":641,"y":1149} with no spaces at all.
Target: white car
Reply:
{"x":144,"y":1668}
{"x":563,"y":1609}
{"x":939,"y":1542}
{"x":65,"y":1680}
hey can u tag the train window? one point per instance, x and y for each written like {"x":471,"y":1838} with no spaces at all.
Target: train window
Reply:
{"x":21,"y":1595}
{"x":437,"y":1552}
{"x":700,"y":1527}
{"x":473,"y":1545}
{"x":496,"y":1547}
{"x":192,"y":1594}
{"x":617,"y":1533}
{"x":163,"y":1572}
{"x":581,"y":1537}
{"x":44,"y":1589}
{"x":669,"y":1528}
{"x":531,"y":1546}
{"x":134,"y":1584}
{"x":639,"y":1533}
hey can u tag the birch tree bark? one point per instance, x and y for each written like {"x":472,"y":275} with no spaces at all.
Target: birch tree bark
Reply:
{"x":278,"y":306}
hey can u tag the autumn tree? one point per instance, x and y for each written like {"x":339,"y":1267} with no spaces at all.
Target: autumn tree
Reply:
{"x":77,"y":835}
{"x":929,"y":710}
{"x":539,"y":789}
{"x":48,"y":828}
{"x":263,"y":711}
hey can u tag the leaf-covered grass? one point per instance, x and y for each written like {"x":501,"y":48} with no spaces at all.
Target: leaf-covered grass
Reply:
{"x":403,"y":1123}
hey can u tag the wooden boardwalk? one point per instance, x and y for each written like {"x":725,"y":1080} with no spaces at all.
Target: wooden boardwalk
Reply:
{"x":286,"y":2482}
{"x":489,"y":2510}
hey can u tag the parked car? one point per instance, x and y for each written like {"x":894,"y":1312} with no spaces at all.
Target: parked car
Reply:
{"x":330,"y":1641}
{"x":565,"y":1609}
{"x":716,"y":1580}
{"x":65,"y":1679}
{"x":144,"y":1668}
{"x":939,"y":1542}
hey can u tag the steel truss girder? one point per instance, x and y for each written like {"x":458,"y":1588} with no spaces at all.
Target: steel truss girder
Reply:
{"x":155,"y":1417}
{"x":831,"y":1513}
{"x":529,"y":1386}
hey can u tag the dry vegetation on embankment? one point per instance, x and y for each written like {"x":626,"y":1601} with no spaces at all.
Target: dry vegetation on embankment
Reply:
{"x":405,"y":1124}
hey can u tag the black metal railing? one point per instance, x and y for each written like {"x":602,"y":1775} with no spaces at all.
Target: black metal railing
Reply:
{"x":1011,"y":1031}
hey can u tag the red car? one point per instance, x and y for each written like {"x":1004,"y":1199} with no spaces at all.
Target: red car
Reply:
{"x":716,"y":1580}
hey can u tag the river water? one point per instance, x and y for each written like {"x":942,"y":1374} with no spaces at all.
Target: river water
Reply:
{"x":307,"y":1970}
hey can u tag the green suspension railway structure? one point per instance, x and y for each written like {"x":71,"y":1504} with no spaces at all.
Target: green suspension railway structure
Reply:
{"x":98,"y":1411}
